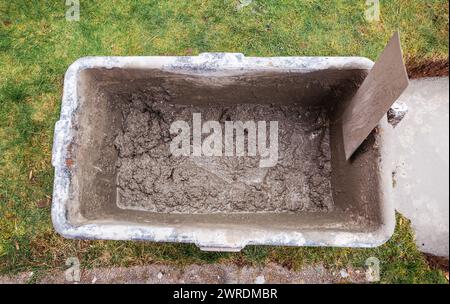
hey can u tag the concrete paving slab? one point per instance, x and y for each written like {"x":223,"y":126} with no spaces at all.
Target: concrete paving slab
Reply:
{"x":421,"y":177}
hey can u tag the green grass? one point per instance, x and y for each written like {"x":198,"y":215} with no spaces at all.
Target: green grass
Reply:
{"x":37,"y":45}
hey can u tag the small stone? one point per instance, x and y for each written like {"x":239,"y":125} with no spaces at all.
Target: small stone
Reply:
{"x":160,"y":275}
{"x":260,"y":279}
{"x":344,"y":274}
{"x":243,"y":3}
{"x":396,"y":113}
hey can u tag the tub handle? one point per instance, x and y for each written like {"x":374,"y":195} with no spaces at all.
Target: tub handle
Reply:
{"x":220,"y":249}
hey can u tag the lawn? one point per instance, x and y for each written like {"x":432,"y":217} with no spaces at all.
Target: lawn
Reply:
{"x":37,"y":44}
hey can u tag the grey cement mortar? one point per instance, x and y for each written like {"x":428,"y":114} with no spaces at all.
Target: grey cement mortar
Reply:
{"x":149,"y":178}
